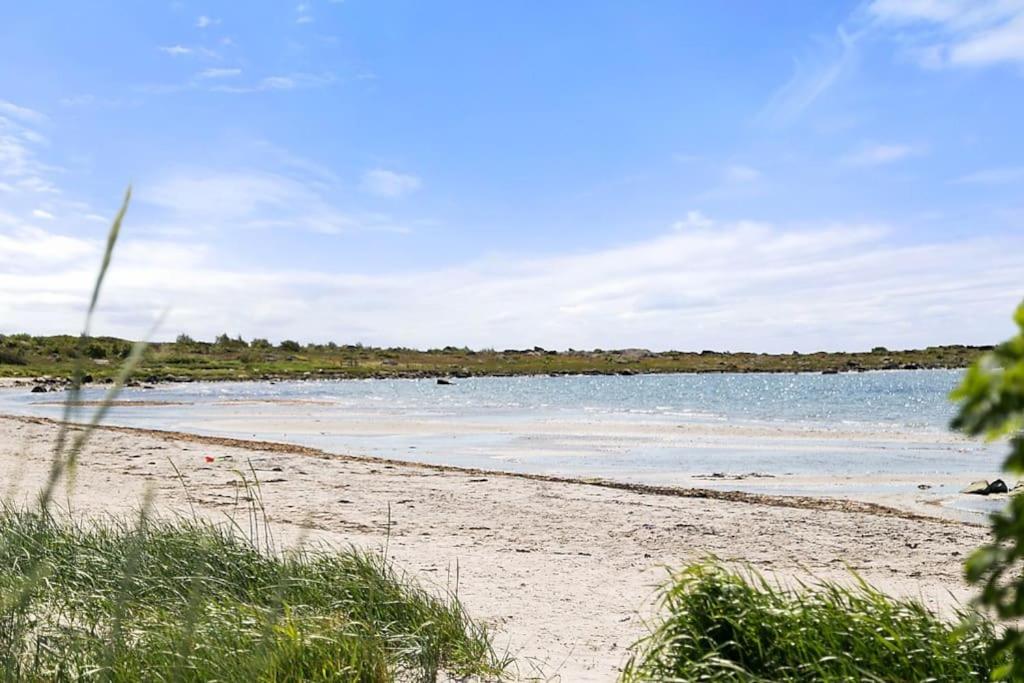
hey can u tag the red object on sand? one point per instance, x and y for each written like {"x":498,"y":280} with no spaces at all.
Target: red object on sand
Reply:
{"x":210,"y":458}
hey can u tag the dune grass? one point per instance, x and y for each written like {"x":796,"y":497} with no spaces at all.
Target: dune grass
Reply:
{"x":130,"y":600}
{"x":721,"y":625}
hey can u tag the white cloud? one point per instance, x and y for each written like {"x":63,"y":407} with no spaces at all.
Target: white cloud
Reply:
{"x":40,"y":213}
{"x":878,"y":154}
{"x":957,"y":32}
{"x":205,"y":22}
{"x":390,"y":184}
{"x":741,"y":285}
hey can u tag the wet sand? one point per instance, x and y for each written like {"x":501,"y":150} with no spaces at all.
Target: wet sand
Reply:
{"x":563,"y":570}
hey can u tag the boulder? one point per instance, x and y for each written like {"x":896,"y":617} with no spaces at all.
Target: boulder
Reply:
{"x":984,"y":488}
{"x":998,"y":486}
{"x":443,"y":381}
{"x":979,"y":488}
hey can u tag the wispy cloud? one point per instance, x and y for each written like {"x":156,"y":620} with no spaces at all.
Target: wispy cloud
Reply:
{"x":303,"y":13}
{"x":693,"y":220}
{"x":214,"y":199}
{"x":91,"y":100}
{"x":175,"y":50}
{"x":205,"y":22}
{"x":219,"y":73}
{"x":814,"y":74}
{"x":20,"y":113}
{"x":384,"y":183}
{"x":957,"y":32}
{"x":993,"y":176}
{"x":741,"y":173}
{"x":21,"y":170}
{"x":877,"y":154}
{"x":292,"y":81}
{"x":189,"y":51}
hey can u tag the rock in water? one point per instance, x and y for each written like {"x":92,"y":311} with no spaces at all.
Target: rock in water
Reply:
{"x":998,"y":486}
{"x":443,"y":381}
{"x":979,"y":487}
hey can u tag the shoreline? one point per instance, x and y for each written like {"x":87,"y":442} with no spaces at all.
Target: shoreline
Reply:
{"x":565,"y":571}
{"x":787,"y":501}
{"x":60,"y":382}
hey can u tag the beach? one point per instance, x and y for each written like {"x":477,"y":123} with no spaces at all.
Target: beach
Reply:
{"x":564,"y":571}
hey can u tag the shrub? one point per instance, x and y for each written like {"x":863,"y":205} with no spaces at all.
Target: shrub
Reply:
{"x":290,"y":345}
{"x":11,"y":358}
{"x":725,"y":626}
{"x":991,"y":399}
{"x":95,"y":351}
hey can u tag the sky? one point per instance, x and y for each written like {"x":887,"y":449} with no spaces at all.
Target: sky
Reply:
{"x":721,"y":175}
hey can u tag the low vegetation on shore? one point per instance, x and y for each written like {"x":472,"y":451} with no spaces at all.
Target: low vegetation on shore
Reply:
{"x":183,"y":600}
{"x":720,"y":625}
{"x":227,"y":358}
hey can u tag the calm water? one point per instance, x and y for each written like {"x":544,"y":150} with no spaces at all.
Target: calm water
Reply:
{"x":856,"y":430}
{"x":885,"y":400}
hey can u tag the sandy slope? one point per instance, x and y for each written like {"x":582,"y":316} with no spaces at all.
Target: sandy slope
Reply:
{"x":563,"y":570}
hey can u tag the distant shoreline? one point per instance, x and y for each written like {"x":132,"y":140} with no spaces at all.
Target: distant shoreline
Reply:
{"x":23,"y":356}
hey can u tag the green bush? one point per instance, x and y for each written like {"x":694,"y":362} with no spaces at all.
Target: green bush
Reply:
{"x":991,"y":399}
{"x":290,"y":345}
{"x":11,"y":358}
{"x":725,"y":626}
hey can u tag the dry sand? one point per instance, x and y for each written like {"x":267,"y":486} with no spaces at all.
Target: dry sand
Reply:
{"x":563,"y":570}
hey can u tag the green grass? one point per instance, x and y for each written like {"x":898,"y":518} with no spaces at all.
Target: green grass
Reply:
{"x":184,"y":600}
{"x":27,"y":356}
{"x":720,"y":625}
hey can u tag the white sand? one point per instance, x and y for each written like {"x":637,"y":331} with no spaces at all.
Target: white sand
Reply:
{"x":564,"y":571}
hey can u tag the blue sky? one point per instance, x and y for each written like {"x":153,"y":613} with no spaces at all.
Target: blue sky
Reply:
{"x":735,"y":175}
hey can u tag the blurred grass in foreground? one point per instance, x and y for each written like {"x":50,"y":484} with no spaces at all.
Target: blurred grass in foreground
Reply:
{"x":721,"y":625}
{"x":130,"y":600}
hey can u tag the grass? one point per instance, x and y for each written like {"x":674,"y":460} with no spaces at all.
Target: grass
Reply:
{"x":720,"y":625}
{"x":185,"y":600}
{"x":23,"y":355}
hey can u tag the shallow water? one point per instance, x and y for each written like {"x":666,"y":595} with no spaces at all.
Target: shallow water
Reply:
{"x":873,"y":434}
